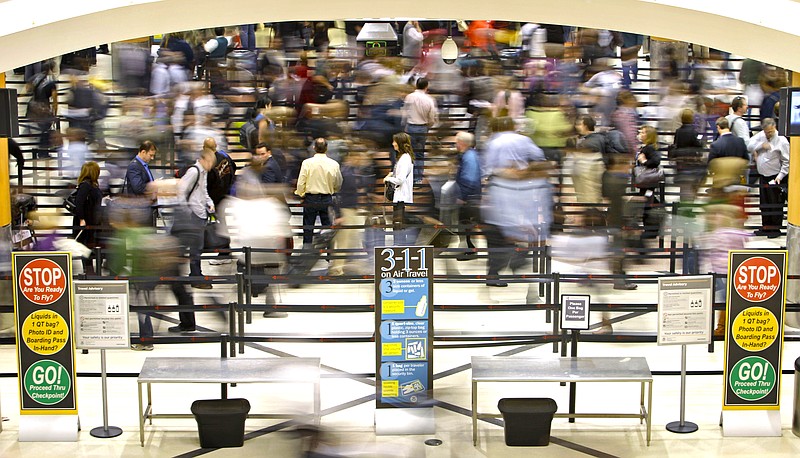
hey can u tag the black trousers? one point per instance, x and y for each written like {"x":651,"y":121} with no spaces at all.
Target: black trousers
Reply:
{"x":315,"y":205}
{"x":770,"y":204}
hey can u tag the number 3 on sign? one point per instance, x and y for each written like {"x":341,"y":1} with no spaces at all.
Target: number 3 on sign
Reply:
{"x":389,"y":257}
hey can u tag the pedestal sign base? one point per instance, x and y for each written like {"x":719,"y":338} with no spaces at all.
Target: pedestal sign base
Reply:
{"x":400,"y":421}
{"x":48,"y":428}
{"x":685,"y":428}
{"x":751,"y":423}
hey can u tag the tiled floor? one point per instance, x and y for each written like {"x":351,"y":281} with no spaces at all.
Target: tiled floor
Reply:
{"x":347,"y":398}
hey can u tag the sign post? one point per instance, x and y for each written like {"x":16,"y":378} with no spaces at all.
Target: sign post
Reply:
{"x":42,"y":284}
{"x":753,"y":343}
{"x":404,"y":340}
{"x":101,"y":309}
{"x":684,"y":318}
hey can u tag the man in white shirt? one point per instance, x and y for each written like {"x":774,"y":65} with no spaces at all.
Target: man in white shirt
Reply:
{"x":419,"y":114}
{"x":770,"y":152}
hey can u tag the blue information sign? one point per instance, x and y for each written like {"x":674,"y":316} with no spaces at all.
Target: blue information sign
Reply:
{"x":404,"y":325}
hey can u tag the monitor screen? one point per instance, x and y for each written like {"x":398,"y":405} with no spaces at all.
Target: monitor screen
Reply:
{"x":789,"y":112}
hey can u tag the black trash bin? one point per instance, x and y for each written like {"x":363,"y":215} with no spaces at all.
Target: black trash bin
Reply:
{"x":220,"y":422}
{"x":527,"y":420}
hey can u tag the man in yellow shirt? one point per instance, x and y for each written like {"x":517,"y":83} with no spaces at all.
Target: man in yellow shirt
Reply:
{"x":320,"y":178}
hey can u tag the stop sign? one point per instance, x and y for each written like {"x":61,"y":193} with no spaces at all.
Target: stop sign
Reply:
{"x":757,"y":279}
{"x":42,"y":281}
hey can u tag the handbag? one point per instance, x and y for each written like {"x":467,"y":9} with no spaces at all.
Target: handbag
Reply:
{"x":644,"y":177}
{"x":388,"y":191}
{"x":213,"y":240}
{"x":70,"y":202}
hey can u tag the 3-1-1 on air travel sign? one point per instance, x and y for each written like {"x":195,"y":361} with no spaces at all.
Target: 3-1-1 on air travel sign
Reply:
{"x":42,"y":285}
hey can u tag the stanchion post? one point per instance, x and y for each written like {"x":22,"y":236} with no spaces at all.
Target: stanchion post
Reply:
{"x":682,"y":426}
{"x":105,"y":431}
{"x":232,"y":326}
{"x":248,"y":283}
{"x":552,"y":314}
{"x":240,"y":299}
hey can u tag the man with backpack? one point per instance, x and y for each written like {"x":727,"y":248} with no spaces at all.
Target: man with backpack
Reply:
{"x":191,"y":216}
{"x":220,"y":182}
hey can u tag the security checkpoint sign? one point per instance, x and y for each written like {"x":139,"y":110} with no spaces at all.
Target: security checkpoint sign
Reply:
{"x":754,"y":333}
{"x":42,"y":285}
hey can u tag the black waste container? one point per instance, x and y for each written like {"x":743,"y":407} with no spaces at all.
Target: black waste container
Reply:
{"x":527,"y":420}
{"x":796,"y":412}
{"x":220,"y":422}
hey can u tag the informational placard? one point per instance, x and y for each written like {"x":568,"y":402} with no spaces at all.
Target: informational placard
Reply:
{"x":685,"y":310}
{"x":575,"y":311}
{"x":404,"y":326}
{"x":754,"y":333}
{"x":42,"y":285}
{"x":101,"y":314}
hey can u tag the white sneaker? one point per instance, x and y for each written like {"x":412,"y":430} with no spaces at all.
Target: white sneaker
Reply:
{"x":220,"y":261}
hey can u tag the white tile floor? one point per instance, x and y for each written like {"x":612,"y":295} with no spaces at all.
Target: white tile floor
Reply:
{"x":349,"y":408}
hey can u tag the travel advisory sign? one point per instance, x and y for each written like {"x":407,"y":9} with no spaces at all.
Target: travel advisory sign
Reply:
{"x":754,"y":335}
{"x":45,"y":352}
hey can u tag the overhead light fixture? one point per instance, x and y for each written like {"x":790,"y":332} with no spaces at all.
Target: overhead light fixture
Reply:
{"x":449,"y":48}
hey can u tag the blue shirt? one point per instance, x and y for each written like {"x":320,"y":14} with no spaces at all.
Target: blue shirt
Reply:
{"x":509,"y":150}
{"x":468,"y":176}
{"x":146,"y":167}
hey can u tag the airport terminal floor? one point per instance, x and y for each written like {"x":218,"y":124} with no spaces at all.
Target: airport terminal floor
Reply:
{"x":348,"y":383}
{"x":347,"y":397}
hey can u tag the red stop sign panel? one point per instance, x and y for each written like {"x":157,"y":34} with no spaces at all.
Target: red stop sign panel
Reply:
{"x":757,"y":279}
{"x":42,"y":281}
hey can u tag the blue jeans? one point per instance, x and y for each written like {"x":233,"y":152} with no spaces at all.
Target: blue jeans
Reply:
{"x":145,"y":322}
{"x":418,"y":134}
{"x":247,"y":34}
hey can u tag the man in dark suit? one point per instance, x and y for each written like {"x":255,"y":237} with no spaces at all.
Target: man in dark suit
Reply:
{"x":139,"y":175}
{"x":271,"y":170}
{"x":728,"y":158}
{"x":727,"y":145}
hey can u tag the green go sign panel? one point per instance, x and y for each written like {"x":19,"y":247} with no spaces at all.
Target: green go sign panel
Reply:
{"x":754,"y":329}
{"x":753,"y":378}
{"x":47,"y":382}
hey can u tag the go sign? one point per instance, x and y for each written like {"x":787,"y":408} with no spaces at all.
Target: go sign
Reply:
{"x":42,"y":281}
{"x":757,"y":279}
{"x":752,"y":378}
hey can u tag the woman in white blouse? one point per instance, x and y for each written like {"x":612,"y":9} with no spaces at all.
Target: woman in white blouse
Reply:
{"x":403,"y":179}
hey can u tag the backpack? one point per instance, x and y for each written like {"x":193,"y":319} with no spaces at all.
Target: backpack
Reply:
{"x":221,"y":177}
{"x":614,"y":142}
{"x":248,"y":135}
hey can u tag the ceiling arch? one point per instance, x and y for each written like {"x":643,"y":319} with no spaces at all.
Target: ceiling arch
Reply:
{"x":764,"y":33}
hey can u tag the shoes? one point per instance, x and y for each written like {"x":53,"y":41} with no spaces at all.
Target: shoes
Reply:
{"x":719,"y":331}
{"x":220,"y":261}
{"x":275,"y":314}
{"x":180,"y":329}
{"x":626,"y":286}
{"x":202,"y":285}
{"x":141,"y":347}
{"x":774,"y":235}
{"x":466,"y":256}
{"x":765,"y":233}
{"x":496,"y":283}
